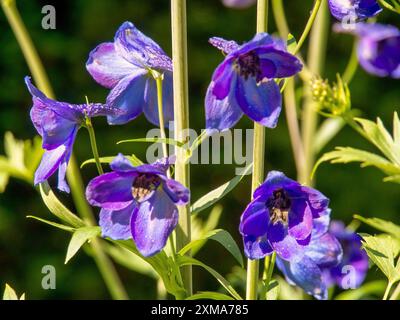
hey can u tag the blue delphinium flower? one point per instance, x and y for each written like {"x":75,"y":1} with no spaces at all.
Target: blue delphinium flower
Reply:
{"x":57,"y":123}
{"x":244,"y":82}
{"x":137,"y":202}
{"x":353,"y":268}
{"x":238,"y":4}
{"x":125,"y":66}
{"x":378,"y":48}
{"x":306,"y":269}
{"x":358,"y":9}
{"x":281,"y":217}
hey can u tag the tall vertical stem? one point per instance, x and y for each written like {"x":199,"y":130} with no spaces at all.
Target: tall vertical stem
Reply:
{"x":316,"y":60}
{"x":35,"y":65}
{"x":258,"y":161}
{"x":181,"y":123}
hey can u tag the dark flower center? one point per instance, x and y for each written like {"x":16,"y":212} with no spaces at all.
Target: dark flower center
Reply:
{"x":279,"y":206}
{"x":144,"y":185}
{"x":249,"y":65}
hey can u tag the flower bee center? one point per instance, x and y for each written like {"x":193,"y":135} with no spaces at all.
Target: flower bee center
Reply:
{"x":248,"y":65}
{"x":144,"y":185}
{"x":279,"y":206}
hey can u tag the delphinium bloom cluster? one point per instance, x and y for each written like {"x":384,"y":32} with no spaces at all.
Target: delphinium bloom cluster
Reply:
{"x":285,"y":219}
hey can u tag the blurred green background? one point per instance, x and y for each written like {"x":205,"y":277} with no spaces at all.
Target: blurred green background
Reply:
{"x":26,"y":245}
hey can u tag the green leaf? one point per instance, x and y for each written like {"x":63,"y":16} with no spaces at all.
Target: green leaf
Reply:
{"x":200,"y":228}
{"x":130,"y":260}
{"x":79,"y":238}
{"x":382,"y":250}
{"x":381,"y":138}
{"x":328,"y":130}
{"x":217,"y":194}
{"x":207,"y":295}
{"x":381,"y":225}
{"x":57,"y":208}
{"x":272,"y":292}
{"x":347,"y":155}
{"x":185,"y":260}
{"x":394,"y":179}
{"x":54,"y":224}
{"x":291,"y":43}
{"x":221,"y":236}
{"x":4,"y":177}
{"x":9,"y":293}
{"x":155,"y":140}
{"x":375,"y":288}
{"x":133,"y":159}
{"x":396,"y":129}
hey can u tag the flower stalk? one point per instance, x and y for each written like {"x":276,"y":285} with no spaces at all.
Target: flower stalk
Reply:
{"x":316,"y":57}
{"x":35,"y":65}
{"x":258,"y":161}
{"x":181,"y":124}
{"x":93,"y":144}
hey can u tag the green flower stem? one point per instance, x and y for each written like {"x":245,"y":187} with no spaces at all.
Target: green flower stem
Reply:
{"x":316,"y":59}
{"x":105,"y":266}
{"x":159,"y":81}
{"x":269,"y":264}
{"x":309,"y":25}
{"x":387,"y":291}
{"x":181,"y":124}
{"x":258,"y":162}
{"x":396,"y":293}
{"x":93,"y":144}
{"x":352,"y":66}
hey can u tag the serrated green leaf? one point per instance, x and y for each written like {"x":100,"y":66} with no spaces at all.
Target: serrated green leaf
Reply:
{"x":381,"y":225}
{"x":54,"y":224}
{"x":155,"y":140}
{"x":79,"y":238}
{"x":185,"y":260}
{"x":375,"y":288}
{"x":133,"y":159}
{"x":382,"y":250}
{"x":217,"y":194}
{"x":347,"y":155}
{"x":207,"y":295}
{"x":221,"y":236}
{"x":381,"y":138}
{"x":9,"y":293}
{"x":57,"y":208}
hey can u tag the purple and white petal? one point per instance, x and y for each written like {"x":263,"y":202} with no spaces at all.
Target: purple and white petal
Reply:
{"x":176,"y":192}
{"x":152,"y":223}
{"x":226,"y":46}
{"x":116,"y":224}
{"x":107,"y":66}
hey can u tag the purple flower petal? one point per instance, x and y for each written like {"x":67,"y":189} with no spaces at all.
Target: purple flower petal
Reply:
{"x":221,"y":114}
{"x":152,"y":223}
{"x":116,"y":224}
{"x":277,"y":64}
{"x":150,"y":107}
{"x":306,"y":274}
{"x":51,"y":160}
{"x":325,"y":250}
{"x":226,"y":46}
{"x":275,"y":180}
{"x":107,"y":67}
{"x":300,"y":220}
{"x":284,"y":244}
{"x":122,"y":164}
{"x":54,"y":129}
{"x":222,"y":79}
{"x":256,"y":248}
{"x":255,"y":219}
{"x":111,"y":191}
{"x":260,"y":102}
{"x":176,"y":192}
{"x":139,"y":49}
{"x":128,"y":96}
{"x":356,"y":9}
